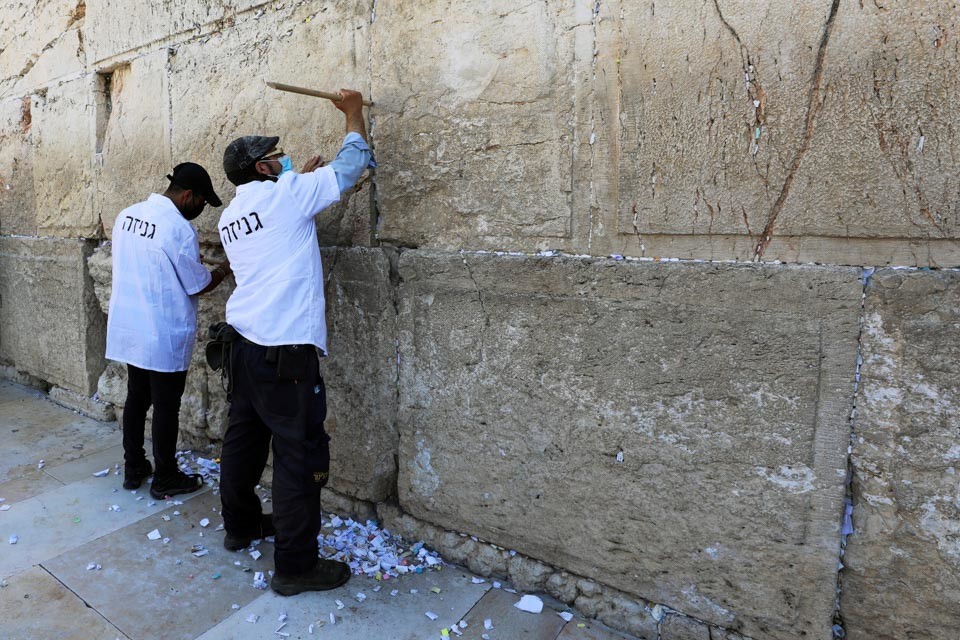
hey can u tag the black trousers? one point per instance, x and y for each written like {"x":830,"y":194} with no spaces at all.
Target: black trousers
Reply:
{"x":291,"y":414}
{"x":162,"y":390}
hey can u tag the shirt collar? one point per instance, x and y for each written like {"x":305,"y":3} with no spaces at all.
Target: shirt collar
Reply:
{"x":163,"y":203}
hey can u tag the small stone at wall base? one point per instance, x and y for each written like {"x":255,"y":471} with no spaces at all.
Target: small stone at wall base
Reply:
{"x":85,"y":405}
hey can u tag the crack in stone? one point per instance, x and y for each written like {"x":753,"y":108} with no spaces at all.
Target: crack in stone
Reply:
{"x":483,"y":306}
{"x":814,"y":104}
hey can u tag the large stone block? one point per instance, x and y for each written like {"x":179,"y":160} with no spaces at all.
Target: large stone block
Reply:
{"x":63,"y":128}
{"x":725,"y":390}
{"x":39,"y":40}
{"x":361,"y":372}
{"x":475,"y":122}
{"x":133,"y":136}
{"x":50,"y":323}
{"x":810,"y":131}
{"x":303,"y":45}
{"x":146,"y":23}
{"x":18,"y":215}
{"x":902,"y":575}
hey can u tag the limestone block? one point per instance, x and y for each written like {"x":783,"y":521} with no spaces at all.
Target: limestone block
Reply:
{"x":133,"y":136}
{"x":726,"y":389}
{"x":812,"y":131}
{"x":18,"y":215}
{"x":902,"y":575}
{"x":361,"y":372}
{"x":146,"y":23}
{"x":32,"y":32}
{"x":883,"y":146}
{"x":219,"y":98}
{"x":92,"y":407}
{"x":100,"y":265}
{"x":63,"y":171}
{"x":676,"y":627}
{"x":690,"y":75}
{"x":50,"y":323}
{"x":474,"y":122}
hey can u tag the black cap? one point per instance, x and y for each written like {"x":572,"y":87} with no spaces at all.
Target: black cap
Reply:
{"x":243,"y":152}
{"x":190,"y":175}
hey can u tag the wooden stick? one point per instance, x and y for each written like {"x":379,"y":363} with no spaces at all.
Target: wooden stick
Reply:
{"x":311,"y":92}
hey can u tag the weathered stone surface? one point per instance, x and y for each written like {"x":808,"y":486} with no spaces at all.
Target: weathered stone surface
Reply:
{"x":733,"y":126}
{"x":34,"y":38}
{"x":62,"y":132}
{"x":523,"y":378}
{"x":361,"y":372}
{"x":85,"y":405}
{"x":18,"y":215}
{"x":676,"y":627}
{"x":133,"y":136}
{"x":50,"y":324}
{"x":477,"y":128}
{"x":295,"y":44}
{"x":146,"y":23}
{"x":902,"y":575}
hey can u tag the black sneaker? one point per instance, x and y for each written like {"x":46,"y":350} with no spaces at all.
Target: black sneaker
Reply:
{"x":135,"y":474}
{"x":174,"y":484}
{"x":232,"y":542}
{"x":326,"y":575}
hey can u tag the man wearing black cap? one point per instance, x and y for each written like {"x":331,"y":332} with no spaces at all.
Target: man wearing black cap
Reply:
{"x":152,"y":323}
{"x":270,"y":237}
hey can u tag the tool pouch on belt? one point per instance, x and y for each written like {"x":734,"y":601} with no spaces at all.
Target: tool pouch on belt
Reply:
{"x":222,"y":336}
{"x":294,"y":361}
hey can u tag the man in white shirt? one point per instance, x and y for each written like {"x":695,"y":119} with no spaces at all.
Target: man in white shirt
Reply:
{"x":270,"y":238}
{"x":152,"y":322}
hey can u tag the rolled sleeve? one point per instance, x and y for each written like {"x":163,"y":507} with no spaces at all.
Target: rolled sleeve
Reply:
{"x":353,"y":158}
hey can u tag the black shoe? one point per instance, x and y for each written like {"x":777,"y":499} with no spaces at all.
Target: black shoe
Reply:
{"x":174,"y":484}
{"x":135,"y":474}
{"x":326,"y":575}
{"x":232,"y":542}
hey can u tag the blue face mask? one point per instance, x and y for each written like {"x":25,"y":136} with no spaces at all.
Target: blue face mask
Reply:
{"x":286,"y":164}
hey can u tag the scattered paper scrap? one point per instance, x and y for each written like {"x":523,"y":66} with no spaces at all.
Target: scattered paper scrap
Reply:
{"x":205,"y":522}
{"x":252,"y":618}
{"x":333,"y":620}
{"x":361,"y":597}
{"x":4,"y":507}
{"x":101,"y":474}
{"x":255,"y":554}
{"x":530,"y":604}
{"x":339,"y":604}
{"x":476,"y":580}
{"x":488,"y":624}
{"x":259,"y":581}
{"x":154,"y":535}
{"x":431,"y":615}
{"x":93,"y":566}
{"x":566,"y":615}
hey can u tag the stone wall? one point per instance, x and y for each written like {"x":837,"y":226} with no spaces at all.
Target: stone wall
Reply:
{"x":538,"y":335}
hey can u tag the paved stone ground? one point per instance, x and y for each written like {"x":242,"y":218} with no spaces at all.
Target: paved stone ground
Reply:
{"x":65,"y":518}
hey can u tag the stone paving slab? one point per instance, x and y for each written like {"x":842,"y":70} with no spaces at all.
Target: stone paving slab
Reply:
{"x":508,"y":621}
{"x":85,"y":467}
{"x":35,"y":605}
{"x":147,"y":573}
{"x":35,"y":429}
{"x":68,"y":517}
{"x":400,"y":617}
{"x":10,"y":392}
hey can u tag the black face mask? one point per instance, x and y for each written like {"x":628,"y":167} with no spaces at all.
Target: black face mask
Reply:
{"x":193,"y":212}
